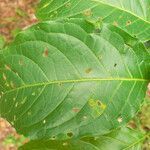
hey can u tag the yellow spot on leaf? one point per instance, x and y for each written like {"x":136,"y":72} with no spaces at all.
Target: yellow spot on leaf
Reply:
{"x":97,"y":107}
{"x":92,"y":102}
{"x":44,"y":121}
{"x":119,"y":119}
{"x":87,"y":12}
{"x":65,"y":144}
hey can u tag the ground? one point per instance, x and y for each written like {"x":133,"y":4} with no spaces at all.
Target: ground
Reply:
{"x":16,"y":15}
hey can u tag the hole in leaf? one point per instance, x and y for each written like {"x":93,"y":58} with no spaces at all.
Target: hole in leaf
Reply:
{"x":119,"y":119}
{"x":70,"y":134}
{"x":53,"y":137}
{"x":99,"y":103}
{"x":128,"y":22}
{"x":115,"y":65}
{"x":44,"y":121}
{"x":84,"y":117}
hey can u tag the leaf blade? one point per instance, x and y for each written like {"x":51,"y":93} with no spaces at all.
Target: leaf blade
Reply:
{"x":55,"y":100}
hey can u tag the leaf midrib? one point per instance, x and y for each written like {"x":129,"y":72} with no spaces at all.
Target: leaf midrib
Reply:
{"x":77,"y":81}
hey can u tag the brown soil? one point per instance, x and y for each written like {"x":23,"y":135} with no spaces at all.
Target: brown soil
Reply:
{"x":14,"y":16}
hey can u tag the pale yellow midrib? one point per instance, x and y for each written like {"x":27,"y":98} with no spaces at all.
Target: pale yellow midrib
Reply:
{"x":77,"y":81}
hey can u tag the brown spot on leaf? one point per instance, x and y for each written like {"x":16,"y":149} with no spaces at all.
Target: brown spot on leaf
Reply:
{"x":88,"y":70}
{"x":128,"y":22}
{"x":115,"y":23}
{"x":75,"y":110}
{"x":46,"y":52}
{"x":87,"y":12}
{"x":99,"y":103}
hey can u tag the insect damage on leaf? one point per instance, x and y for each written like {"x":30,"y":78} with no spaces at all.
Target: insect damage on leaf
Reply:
{"x":96,"y":107}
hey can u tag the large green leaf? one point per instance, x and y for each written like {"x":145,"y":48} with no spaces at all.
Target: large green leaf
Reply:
{"x":60,"y":80}
{"x":124,"y":139}
{"x":132,"y":16}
